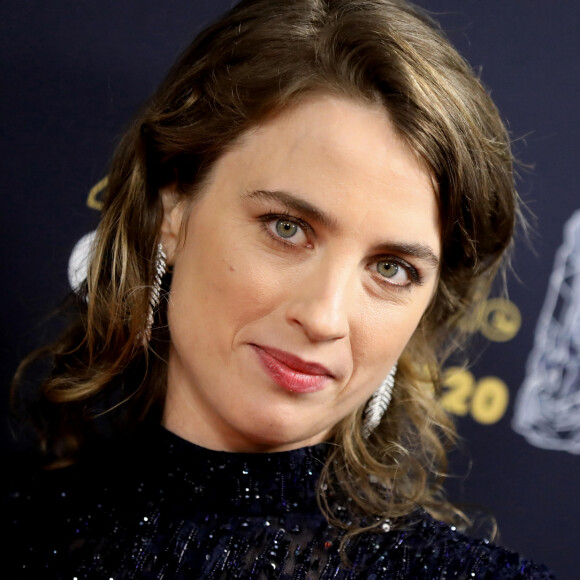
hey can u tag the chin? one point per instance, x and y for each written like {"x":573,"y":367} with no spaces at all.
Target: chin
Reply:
{"x":278,"y":437}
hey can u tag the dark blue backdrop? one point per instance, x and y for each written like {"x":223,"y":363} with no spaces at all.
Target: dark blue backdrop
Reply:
{"x":74,"y":72}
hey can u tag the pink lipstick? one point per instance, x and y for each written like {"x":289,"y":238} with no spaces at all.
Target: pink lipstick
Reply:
{"x":291,"y":372}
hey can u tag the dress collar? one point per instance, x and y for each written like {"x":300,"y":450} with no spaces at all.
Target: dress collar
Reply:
{"x":251,"y":483}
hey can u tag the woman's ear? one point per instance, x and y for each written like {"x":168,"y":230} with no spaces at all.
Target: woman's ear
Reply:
{"x":173,"y":212}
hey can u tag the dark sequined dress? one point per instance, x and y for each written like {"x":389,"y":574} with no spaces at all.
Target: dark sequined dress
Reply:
{"x":159,"y":507}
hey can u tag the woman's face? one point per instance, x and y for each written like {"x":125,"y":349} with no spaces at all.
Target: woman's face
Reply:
{"x":304,"y":267}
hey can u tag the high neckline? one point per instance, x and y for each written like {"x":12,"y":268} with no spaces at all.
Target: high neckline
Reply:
{"x":251,"y":483}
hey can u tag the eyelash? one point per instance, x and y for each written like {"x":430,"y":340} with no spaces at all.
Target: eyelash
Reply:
{"x":267,"y":218}
{"x":415,"y":277}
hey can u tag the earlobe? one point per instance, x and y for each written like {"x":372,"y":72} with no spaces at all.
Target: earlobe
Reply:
{"x":173,"y":209}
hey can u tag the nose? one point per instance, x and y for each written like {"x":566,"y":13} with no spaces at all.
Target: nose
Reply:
{"x":321,"y":303}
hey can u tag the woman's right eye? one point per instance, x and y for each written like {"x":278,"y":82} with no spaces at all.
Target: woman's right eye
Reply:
{"x":287,"y":230}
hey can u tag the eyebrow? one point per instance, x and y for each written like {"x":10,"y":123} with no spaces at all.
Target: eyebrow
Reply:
{"x":292,"y":202}
{"x":419,"y":251}
{"x":422,"y":252}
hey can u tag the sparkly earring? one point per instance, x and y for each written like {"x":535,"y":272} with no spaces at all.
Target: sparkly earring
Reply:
{"x":160,"y":269}
{"x":378,"y":403}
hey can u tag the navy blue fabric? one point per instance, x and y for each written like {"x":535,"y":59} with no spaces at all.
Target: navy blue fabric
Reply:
{"x":162,"y":508}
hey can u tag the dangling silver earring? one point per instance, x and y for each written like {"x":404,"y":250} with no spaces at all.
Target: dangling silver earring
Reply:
{"x":160,"y":269}
{"x":378,"y":403}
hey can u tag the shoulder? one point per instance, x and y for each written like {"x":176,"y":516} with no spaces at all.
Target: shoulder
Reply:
{"x":44,"y":512}
{"x":32,"y":497}
{"x":443,"y":551}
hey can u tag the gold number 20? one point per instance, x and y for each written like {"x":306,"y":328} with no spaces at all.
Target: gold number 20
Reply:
{"x":487,"y":399}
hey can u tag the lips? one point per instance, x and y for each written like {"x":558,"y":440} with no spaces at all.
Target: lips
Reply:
{"x":291,"y":372}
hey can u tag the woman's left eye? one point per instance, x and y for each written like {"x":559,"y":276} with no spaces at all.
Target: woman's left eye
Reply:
{"x":396,"y":273}
{"x":287,"y":230}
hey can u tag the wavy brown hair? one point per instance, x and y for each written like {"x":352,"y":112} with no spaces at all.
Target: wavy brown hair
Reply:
{"x":258,"y":59}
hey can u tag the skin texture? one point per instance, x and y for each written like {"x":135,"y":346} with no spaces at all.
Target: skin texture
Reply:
{"x":304,"y":239}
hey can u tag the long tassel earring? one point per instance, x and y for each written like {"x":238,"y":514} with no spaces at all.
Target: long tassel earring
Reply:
{"x":378,"y":403}
{"x":160,"y":269}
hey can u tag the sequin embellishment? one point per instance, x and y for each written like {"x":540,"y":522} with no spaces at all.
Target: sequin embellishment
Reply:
{"x":161,"y":508}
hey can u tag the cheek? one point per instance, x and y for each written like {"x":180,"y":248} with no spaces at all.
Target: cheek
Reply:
{"x":387,"y":328}
{"x":217,"y":289}
{"x":245,"y":285}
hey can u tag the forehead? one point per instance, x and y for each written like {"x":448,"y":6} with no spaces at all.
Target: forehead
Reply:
{"x":345,"y":157}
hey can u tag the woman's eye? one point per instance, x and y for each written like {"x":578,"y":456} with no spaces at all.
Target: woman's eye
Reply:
{"x":395,"y":273}
{"x":287,"y":230}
